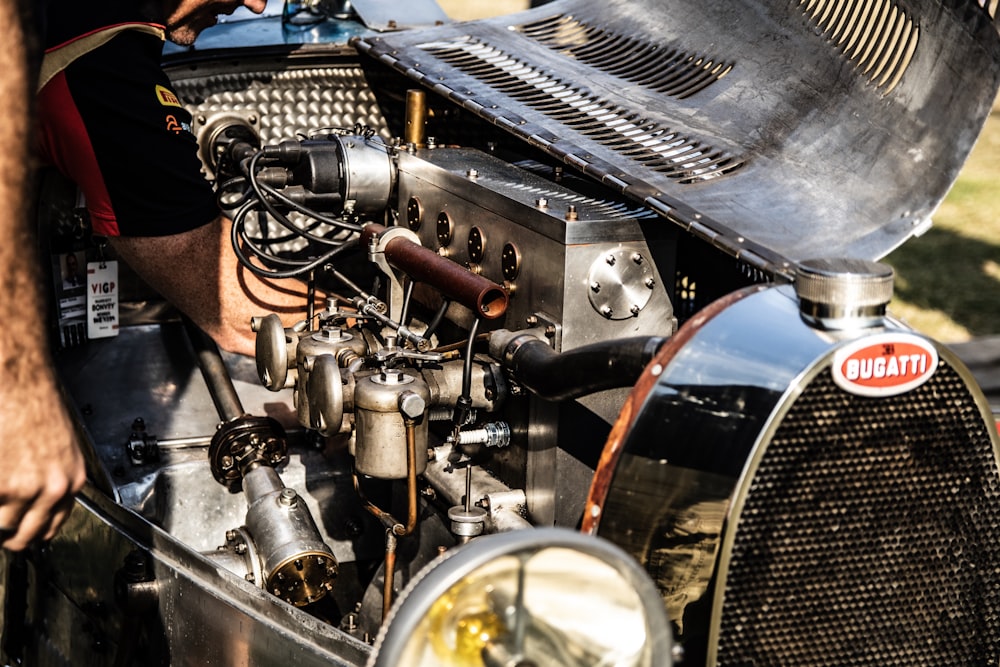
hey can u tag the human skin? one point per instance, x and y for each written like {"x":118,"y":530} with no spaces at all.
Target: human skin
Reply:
{"x":41,"y":462}
{"x":197,"y":270}
{"x":186,"y":18}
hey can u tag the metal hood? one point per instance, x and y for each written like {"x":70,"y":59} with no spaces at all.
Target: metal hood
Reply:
{"x":777,"y":130}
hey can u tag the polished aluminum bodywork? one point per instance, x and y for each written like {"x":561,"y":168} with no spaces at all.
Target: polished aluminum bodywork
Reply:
{"x":791,"y":130}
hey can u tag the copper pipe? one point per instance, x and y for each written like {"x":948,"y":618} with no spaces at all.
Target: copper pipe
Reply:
{"x":480,"y":295}
{"x":386,"y":519}
{"x":390,"y":573}
{"x":411,"y":479}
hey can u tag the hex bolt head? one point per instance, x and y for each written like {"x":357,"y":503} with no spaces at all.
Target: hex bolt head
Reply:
{"x":607,"y":311}
{"x":610,"y":259}
{"x":411,"y":404}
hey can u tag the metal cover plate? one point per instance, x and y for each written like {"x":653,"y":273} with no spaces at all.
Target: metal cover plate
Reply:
{"x":777,"y":130}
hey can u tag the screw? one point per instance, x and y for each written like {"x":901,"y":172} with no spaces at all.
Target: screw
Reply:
{"x":571,"y":213}
{"x":472,"y":173}
{"x":595,"y":287}
{"x":607,"y":311}
{"x":542,"y":202}
{"x":634,"y":309}
{"x":610,"y":259}
{"x":637,"y":258}
{"x":650,"y":283}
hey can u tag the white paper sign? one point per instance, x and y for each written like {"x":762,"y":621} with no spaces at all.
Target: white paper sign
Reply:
{"x":102,"y":299}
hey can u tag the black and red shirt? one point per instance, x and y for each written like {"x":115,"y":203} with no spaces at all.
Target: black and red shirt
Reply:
{"x":111,"y":122}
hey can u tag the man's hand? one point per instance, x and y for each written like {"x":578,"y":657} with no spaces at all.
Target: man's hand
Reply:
{"x":42,"y":465}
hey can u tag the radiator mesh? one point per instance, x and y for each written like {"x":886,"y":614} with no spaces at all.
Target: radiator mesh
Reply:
{"x":870,"y":535}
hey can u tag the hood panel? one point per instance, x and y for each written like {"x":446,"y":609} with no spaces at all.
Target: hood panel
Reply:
{"x":776,"y":130}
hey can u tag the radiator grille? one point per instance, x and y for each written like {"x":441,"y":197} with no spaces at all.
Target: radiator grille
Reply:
{"x":870,"y":535}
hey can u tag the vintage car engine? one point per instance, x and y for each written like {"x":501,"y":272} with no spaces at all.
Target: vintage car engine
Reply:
{"x":599,"y":367}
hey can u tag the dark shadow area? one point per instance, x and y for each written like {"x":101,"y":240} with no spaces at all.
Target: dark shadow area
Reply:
{"x":946,"y":271}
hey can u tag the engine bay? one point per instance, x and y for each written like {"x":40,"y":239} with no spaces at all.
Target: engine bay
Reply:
{"x":550,"y":293}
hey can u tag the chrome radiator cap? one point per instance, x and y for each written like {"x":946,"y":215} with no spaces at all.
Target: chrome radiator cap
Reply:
{"x":837,"y":294}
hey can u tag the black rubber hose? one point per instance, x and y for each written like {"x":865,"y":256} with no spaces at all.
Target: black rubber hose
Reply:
{"x":578,"y":372}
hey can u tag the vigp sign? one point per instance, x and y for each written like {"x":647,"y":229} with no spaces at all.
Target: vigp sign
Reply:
{"x":884,"y":365}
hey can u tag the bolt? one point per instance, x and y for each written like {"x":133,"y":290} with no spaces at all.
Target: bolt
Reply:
{"x":230,"y":536}
{"x":391,"y":24}
{"x":607,"y":311}
{"x":637,"y":258}
{"x":610,"y":259}
{"x":240,"y":548}
{"x":550,"y":331}
{"x":542,"y":202}
{"x":298,"y":564}
{"x":532,"y":320}
{"x":249,"y":577}
{"x":595,"y":287}
{"x":472,"y":173}
{"x":650,"y":283}
{"x":227,"y":462}
{"x":287,"y":497}
{"x":411,"y":404}
{"x":571,"y":213}
{"x":635,"y":309}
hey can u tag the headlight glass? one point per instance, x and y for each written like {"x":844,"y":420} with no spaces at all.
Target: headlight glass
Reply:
{"x":539,"y":605}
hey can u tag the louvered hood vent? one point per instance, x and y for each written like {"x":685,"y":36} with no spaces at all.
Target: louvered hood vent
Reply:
{"x":778,"y":130}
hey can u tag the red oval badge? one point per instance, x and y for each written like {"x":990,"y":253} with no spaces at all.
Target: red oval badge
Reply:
{"x":884,"y":365}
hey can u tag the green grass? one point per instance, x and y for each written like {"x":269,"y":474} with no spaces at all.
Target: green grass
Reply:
{"x":948,"y":280}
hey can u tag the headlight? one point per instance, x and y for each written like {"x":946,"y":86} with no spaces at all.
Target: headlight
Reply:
{"x":532,"y":597}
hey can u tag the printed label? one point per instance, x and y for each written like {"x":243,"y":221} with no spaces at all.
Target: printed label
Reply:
{"x":167,"y":97}
{"x":102,"y":299}
{"x":884,"y":365}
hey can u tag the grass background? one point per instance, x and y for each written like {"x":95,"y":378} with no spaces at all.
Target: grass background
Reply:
{"x":948,"y":280}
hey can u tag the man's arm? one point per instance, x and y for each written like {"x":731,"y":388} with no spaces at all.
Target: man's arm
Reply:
{"x":42,"y":465}
{"x":198,"y":272}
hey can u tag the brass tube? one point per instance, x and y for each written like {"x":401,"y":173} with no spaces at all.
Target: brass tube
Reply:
{"x":416,"y":118}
